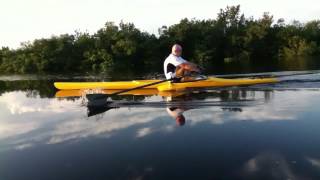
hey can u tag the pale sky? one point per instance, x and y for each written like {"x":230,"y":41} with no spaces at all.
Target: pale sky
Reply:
{"x":26,"y":20}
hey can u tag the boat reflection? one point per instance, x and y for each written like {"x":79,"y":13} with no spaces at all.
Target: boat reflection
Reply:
{"x":176,"y":111}
{"x":176,"y":103}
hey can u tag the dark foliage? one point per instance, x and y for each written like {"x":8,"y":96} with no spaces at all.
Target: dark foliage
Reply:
{"x":230,"y":38}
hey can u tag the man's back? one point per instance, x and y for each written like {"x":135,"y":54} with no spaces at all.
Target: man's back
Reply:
{"x":170,"y":65}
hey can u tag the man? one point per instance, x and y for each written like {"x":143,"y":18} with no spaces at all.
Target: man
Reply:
{"x":176,"y":68}
{"x":177,"y":114}
{"x":176,"y":111}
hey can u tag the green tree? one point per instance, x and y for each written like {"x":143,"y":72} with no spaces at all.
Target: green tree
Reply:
{"x":229,"y":39}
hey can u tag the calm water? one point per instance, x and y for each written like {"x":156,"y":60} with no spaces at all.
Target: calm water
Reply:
{"x":257,"y":132}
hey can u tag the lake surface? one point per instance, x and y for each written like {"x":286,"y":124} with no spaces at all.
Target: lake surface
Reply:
{"x":256,"y":132}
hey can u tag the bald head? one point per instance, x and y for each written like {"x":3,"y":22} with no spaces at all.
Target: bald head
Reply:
{"x":180,"y":120}
{"x":176,"y":50}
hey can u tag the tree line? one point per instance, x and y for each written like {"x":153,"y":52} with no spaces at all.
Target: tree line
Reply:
{"x":229,"y":38}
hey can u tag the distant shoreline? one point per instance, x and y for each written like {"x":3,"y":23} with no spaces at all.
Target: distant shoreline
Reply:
{"x":250,"y":45}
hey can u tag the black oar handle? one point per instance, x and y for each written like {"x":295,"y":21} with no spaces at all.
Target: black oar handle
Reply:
{"x":139,"y":87}
{"x":94,"y":97}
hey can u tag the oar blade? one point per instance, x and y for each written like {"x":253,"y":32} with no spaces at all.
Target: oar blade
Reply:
{"x":93,"y":97}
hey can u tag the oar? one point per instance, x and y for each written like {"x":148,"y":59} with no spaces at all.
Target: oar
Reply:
{"x":93,"y":97}
{"x":267,"y":75}
{"x":97,"y":103}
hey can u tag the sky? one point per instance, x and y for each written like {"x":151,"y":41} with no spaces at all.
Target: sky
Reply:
{"x":26,"y":20}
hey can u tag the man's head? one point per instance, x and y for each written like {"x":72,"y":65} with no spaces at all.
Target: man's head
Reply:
{"x":180,"y":120}
{"x":176,"y":50}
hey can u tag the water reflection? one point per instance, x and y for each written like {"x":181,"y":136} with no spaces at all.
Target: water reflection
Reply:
{"x":269,"y":165}
{"x":25,"y":119}
{"x":176,"y":103}
{"x":257,"y":132}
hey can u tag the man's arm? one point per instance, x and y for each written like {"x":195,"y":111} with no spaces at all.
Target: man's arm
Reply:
{"x":189,"y":67}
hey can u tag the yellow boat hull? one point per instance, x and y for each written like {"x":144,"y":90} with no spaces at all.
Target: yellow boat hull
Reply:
{"x":165,"y":86}
{"x":138,"y":92}
{"x":214,"y":82}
